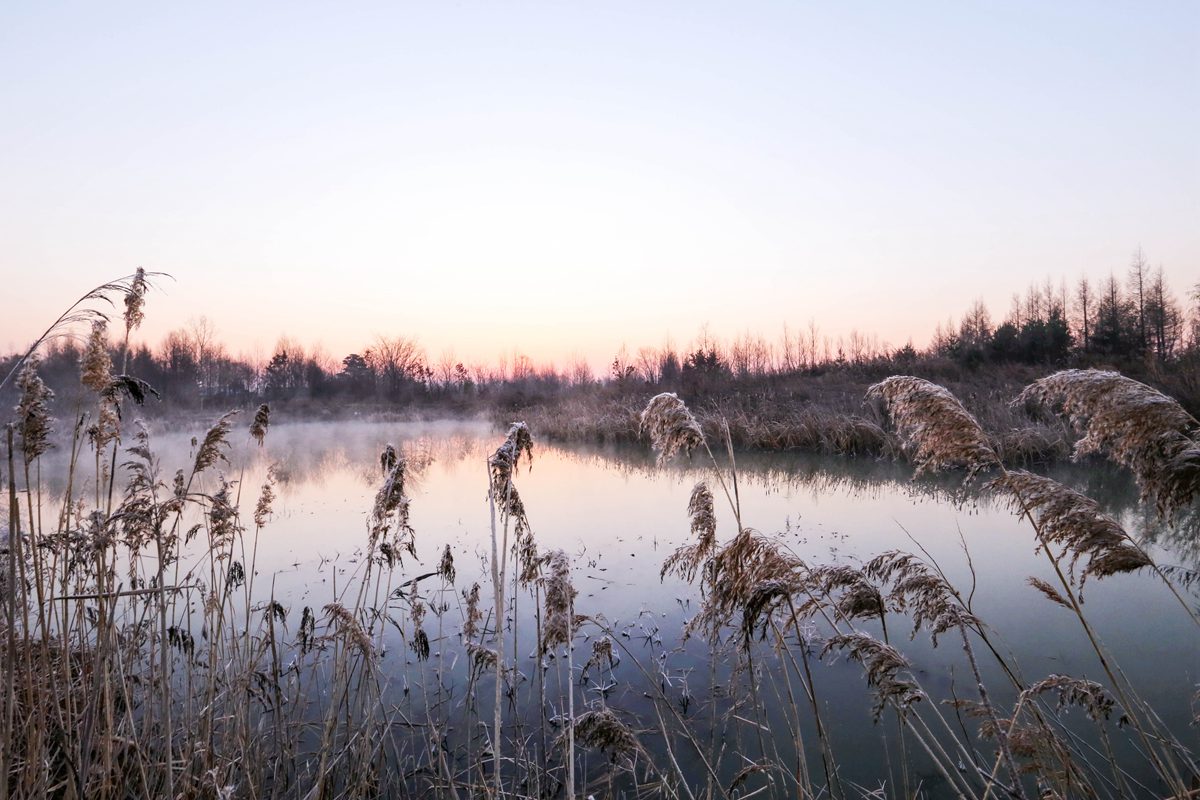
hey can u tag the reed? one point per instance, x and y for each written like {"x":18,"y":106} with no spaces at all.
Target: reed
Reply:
{"x":143,"y":658}
{"x":1135,"y":425}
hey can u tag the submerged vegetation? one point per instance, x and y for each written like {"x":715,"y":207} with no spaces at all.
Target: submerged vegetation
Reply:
{"x":145,"y":656}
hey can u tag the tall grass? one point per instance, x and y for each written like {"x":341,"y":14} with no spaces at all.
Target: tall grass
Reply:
{"x":145,"y":656}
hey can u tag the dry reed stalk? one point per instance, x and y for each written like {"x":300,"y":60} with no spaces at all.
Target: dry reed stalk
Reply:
{"x":95,"y":364}
{"x":1075,"y":522}
{"x":212,"y":448}
{"x":934,"y":426}
{"x":262,"y":420}
{"x":942,"y":433}
{"x":390,"y":530}
{"x":886,"y":669}
{"x":918,"y":590}
{"x":686,"y":560}
{"x":603,"y":730}
{"x":671,"y":426}
{"x":33,"y":411}
{"x":558,"y":630}
{"x":1131,"y":423}
{"x":503,"y":498}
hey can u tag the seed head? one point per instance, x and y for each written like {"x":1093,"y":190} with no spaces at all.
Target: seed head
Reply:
{"x":671,"y":426}
{"x":503,"y":464}
{"x":135,"y":300}
{"x":884,"y":665}
{"x":474,"y":615}
{"x":33,"y":411}
{"x":95,"y":365}
{"x":1075,"y":522}
{"x":602,"y":729}
{"x":262,"y":511}
{"x":685,"y":561}
{"x":446,"y":565}
{"x":560,"y":602}
{"x":1132,"y":424}
{"x":262,"y":420}
{"x":934,"y":426}
{"x":216,"y":441}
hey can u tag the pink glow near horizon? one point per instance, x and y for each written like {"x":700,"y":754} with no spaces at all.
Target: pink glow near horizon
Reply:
{"x":559,"y":181}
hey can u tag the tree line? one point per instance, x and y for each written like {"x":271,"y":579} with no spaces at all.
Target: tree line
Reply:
{"x":1134,"y":322}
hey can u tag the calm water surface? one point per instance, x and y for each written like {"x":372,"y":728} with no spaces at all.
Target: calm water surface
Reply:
{"x":619,"y":516}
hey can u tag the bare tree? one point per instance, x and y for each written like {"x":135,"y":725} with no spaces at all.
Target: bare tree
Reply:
{"x":1138,"y":278}
{"x":398,"y":361}
{"x":1084,"y":300}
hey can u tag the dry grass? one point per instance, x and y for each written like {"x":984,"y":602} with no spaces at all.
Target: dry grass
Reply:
{"x":671,"y":427}
{"x":1131,"y":423}
{"x":1075,"y":523}
{"x":936,"y":429}
{"x":142,"y":659}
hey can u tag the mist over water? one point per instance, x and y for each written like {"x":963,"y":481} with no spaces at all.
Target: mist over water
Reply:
{"x":618,"y":516}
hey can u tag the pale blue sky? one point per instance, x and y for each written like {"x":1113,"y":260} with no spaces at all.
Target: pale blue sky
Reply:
{"x":562,"y":178}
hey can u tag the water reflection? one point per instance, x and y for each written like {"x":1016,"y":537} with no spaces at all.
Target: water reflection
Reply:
{"x":619,"y":515}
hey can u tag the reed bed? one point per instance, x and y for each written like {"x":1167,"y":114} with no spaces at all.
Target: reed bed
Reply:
{"x":145,"y":655}
{"x":822,"y":415}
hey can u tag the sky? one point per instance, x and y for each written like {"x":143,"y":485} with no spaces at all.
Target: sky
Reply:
{"x":559,"y":179}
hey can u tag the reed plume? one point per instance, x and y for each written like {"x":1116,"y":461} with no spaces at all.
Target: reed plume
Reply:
{"x":1093,"y":698}
{"x":1074,"y":521}
{"x":34,"y":424}
{"x":529,"y":559}
{"x":934,"y":426}
{"x":390,"y":515}
{"x":262,"y":509}
{"x":560,"y":602}
{"x":108,"y":426}
{"x":917,"y":589}
{"x":687,"y":559}
{"x":1049,"y":592}
{"x":736,"y":575}
{"x":79,"y":312}
{"x":262,"y":420}
{"x":95,"y":364}
{"x":216,"y":442}
{"x":848,"y":590}
{"x":348,"y":626}
{"x":473,"y":616}
{"x":135,"y":300}
{"x":1131,"y":423}
{"x":222,"y":519}
{"x":482,"y":658}
{"x":387,"y":459}
{"x":502,"y":464}
{"x":601,"y":729}
{"x":671,"y":426}
{"x":446,"y":565}
{"x":602,"y":653}
{"x":762,"y":600}
{"x":885,"y":667}
{"x":420,"y":639}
